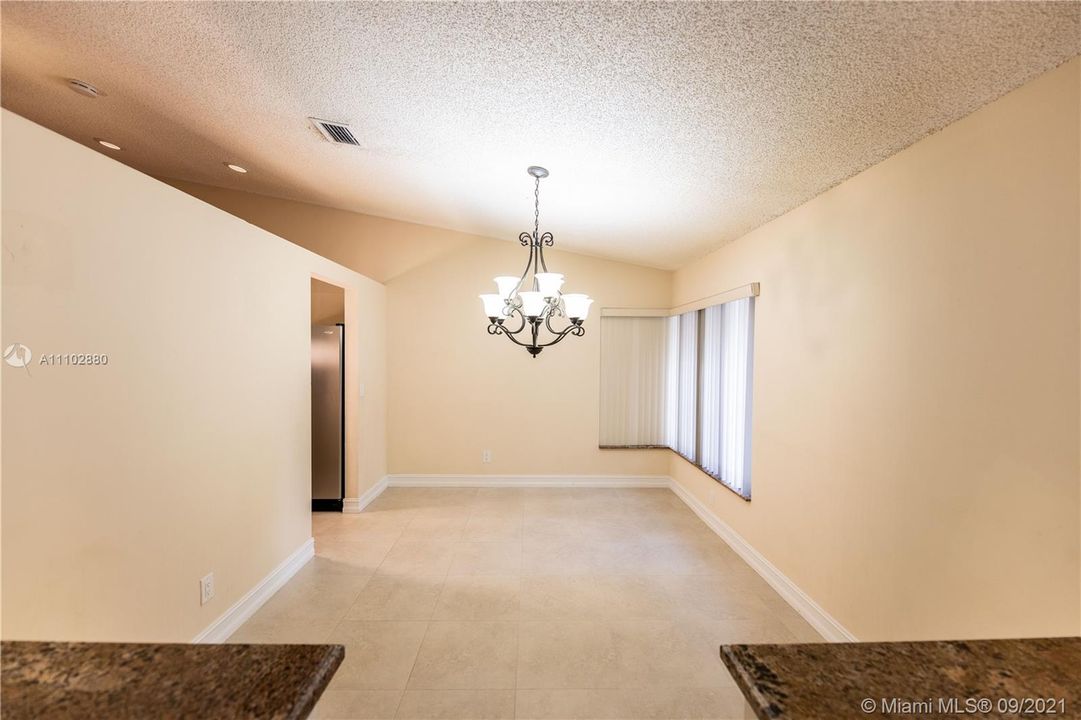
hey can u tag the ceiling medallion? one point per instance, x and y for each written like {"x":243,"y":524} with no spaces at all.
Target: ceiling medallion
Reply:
{"x":535,"y":308}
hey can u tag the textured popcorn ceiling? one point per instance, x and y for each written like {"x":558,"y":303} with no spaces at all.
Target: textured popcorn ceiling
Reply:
{"x":669,"y":128}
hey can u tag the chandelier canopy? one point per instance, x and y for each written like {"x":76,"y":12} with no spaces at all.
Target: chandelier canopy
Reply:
{"x":536,"y":307}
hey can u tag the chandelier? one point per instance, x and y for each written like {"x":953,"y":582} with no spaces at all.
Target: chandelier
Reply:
{"x":537,"y":307}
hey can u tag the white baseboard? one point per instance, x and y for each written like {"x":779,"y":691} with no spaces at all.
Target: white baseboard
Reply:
{"x":826,"y":625}
{"x":355,"y":505}
{"x":220,"y":630}
{"x":588,"y":481}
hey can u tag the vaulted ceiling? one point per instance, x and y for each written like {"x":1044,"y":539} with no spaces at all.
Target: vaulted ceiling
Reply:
{"x":669,"y":128}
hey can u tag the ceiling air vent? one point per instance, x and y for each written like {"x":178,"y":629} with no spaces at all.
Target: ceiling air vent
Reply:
{"x":84,"y":88}
{"x":335,"y":132}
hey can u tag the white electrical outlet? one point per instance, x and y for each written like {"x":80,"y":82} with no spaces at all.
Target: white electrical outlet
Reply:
{"x":487,"y":456}
{"x":206,"y":589}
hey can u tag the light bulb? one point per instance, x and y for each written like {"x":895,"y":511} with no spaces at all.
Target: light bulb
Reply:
{"x":549,"y":283}
{"x":577,"y":305}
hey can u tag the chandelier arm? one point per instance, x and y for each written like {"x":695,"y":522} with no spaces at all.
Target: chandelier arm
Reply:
{"x":548,"y":323}
{"x":513,"y":339}
{"x":538,"y":257}
{"x":525,"y":272}
{"x":511,"y":336}
{"x":529,"y":263}
{"x":571,"y":329}
{"x":576,"y":330}
{"x":521,"y":325}
{"x":497,"y":329}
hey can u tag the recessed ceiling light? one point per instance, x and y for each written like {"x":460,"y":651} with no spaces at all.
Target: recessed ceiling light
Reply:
{"x":236,"y":168}
{"x":106,"y":143}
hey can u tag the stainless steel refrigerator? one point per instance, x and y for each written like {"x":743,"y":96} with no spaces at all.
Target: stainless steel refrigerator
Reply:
{"x":328,"y":417}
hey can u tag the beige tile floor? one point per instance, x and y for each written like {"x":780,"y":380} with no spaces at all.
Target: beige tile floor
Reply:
{"x":526,"y":603}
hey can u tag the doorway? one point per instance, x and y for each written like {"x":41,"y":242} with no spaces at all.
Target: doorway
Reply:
{"x":327,"y":396}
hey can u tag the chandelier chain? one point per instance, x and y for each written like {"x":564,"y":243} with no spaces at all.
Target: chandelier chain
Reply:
{"x":536,"y":210}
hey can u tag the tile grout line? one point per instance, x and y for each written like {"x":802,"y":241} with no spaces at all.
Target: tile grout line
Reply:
{"x":408,"y":677}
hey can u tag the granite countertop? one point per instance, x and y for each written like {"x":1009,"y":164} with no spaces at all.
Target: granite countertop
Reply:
{"x":126,"y":680}
{"x":831,"y":681}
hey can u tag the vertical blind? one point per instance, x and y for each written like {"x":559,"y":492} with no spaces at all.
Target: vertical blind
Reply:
{"x":671,"y":379}
{"x":687,"y":403}
{"x":633,"y":383}
{"x":683,"y":382}
{"x":709,"y":390}
{"x":725,"y":393}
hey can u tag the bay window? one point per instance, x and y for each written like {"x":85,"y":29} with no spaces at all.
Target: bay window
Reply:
{"x":684,"y":382}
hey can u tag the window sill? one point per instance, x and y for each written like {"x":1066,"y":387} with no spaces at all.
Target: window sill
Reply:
{"x":633,"y":447}
{"x":737,"y":493}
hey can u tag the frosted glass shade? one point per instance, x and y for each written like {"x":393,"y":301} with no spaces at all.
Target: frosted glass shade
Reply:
{"x":493,"y":305}
{"x":577,"y":305}
{"x":549,"y":283}
{"x":532,"y":303}
{"x":506,"y":284}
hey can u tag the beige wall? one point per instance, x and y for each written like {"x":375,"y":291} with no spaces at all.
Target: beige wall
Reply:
{"x":328,"y":303}
{"x":916,"y":434}
{"x":190,"y":451}
{"x":456,"y":390}
{"x":379,"y":248}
